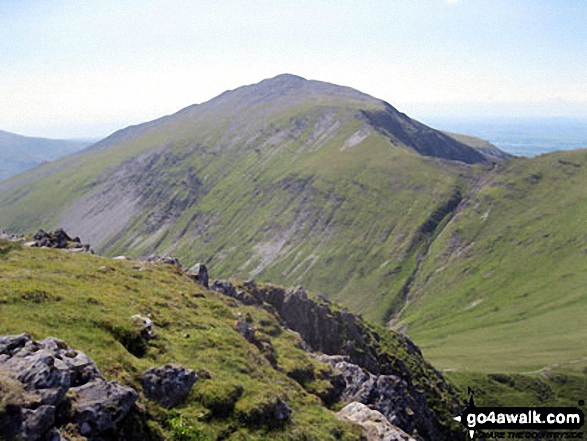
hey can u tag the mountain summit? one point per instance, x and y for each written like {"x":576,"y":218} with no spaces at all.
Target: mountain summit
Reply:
{"x":287,"y":180}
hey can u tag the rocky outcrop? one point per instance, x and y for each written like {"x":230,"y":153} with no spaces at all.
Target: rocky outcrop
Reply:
{"x":401,"y":403}
{"x":228,"y":289}
{"x":394,"y":380}
{"x":169,"y":384}
{"x":58,"y":239}
{"x":60,"y":386}
{"x":375,"y":426}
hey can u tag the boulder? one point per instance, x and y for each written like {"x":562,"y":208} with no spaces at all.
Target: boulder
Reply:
{"x":167,"y":260}
{"x":169,"y":384}
{"x":35,"y":379}
{"x":199,"y":273}
{"x":374,"y":424}
{"x":58,"y":239}
{"x":145,"y":325}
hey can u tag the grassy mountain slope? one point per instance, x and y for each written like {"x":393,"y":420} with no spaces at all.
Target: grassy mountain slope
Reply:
{"x":485,"y":147}
{"x":504,"y":283}
{"x":88,"y":301}
{"x":19,"y":153}
{"x":287,"y":180}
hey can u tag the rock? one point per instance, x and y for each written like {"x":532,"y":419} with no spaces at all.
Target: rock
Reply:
{"x":120,"y":258}
{"x":248,"y":332}
{"x":227,"y":288}
{"x":395,"y":398}
{"x":37,"y":422}
{"x":146,"y":326}
{"x":58,"y":239}
{"x":165,"y":260}
{"x":199,"y":273}
{"x":101,"y":405}
{"x":374,"y":424}
{"x":169,"y":384}
{"x":45,"y":371}
{"x":281,"y":410}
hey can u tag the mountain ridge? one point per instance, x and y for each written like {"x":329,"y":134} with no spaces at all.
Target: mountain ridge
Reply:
{"x":19,"y":153}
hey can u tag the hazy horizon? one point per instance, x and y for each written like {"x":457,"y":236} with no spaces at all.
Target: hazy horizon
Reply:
{"x":86,"y":69}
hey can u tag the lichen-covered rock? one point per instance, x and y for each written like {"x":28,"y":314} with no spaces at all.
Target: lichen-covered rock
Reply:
{"x":169,"y":384}
{"x":38,"y":375}
{"x":374,"y":424}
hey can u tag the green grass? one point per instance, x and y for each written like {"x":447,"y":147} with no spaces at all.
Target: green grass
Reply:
{"x":88,"y":301}
{"x":267,"y":192}
{"x":503,"y":288}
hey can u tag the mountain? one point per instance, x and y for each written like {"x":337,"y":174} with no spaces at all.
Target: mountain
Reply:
{"x":288,"y":180}
{"x":19,"y":153}
{"x":479,"y":257}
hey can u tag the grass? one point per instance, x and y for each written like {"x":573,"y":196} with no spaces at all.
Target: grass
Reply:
{"x":88,"y":301}
{"x":267,"y":193}
{"x":502,"y":288}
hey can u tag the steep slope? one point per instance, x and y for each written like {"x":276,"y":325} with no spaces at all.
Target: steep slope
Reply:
{"x":503,"y":285}
{"x":246,"y":357}
{"x":19,"y":153}
{"x":287,"y":180}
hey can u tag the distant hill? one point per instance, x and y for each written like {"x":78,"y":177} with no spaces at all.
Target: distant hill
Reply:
{"x":19,"y":153}
{"x":289,"y":180}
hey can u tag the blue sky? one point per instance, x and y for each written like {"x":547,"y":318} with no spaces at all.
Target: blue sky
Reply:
{"x":87,"y":68}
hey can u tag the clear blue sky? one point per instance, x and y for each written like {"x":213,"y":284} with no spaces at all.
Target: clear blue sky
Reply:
{"x":87,"y":68}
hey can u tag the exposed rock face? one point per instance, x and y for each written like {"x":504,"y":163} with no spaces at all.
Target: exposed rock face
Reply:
{"x":47,"y":370}
{"x":58,"y":239}
{"x":227,"y":288}
{"x":373,"y":375}
{"x":374,"y":424}
{"x":169,"y":384}
{"x":397,"y":400}
{"x":199,"y":273}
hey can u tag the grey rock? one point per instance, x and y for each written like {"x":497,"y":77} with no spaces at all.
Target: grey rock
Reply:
{"x":165,"y":260}
{"x":101,"y":405}
{"x":281,"y":411}
{"x":399,"y":402}
{"x":248,"y":332}
{"x":58,"y":239}
{"x":9,"y":343}
{"x":199,"y":273}
{"x":47,"y":370}
{"x":227,"y":288}
{"x":169,"y":384}
{"x":37,"y":422}
{"x":374,"y":424}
